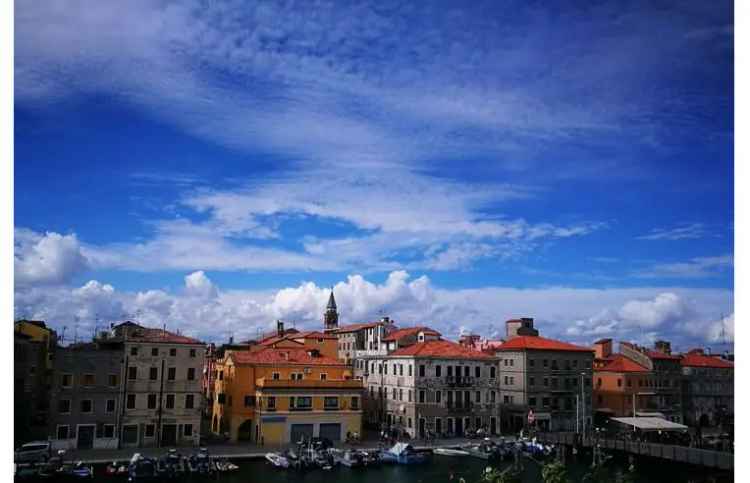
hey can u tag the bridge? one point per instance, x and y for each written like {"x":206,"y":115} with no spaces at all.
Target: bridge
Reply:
{"x":682,"y":454}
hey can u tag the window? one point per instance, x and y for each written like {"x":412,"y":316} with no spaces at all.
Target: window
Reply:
{"x":323,"y":376}
{"x":150,"y":430}
{"x":409,"y":423}
{"x":221,"y":375}
{"x":192,"y":354}
{"x":191,"y":374}
{"x":400,"y":394}
{"x":110,"y":406}
{"x":545,"y":382}
{"x":410,"y":396}
{"x":421,"y":396}
{"x":545,"y":402}
{"x":109,"y":430}
{"x":532,"y":402}
{"x":531,"y":381}
{"x":492,"y":396}
{"x":531,"y":362}
{"x":67,"y":380}
{"x":249,"y":401}
{"x":189,"y":401}
{"x":297,"y":376}
{"x":393,"y":394}
{"x":113,"y":380}
{"x":575,"y":363}
{"x":410,"y":370}
{"x":151,"y":401}
{"x":133,"y":351}
{"x":492,"y":372}
{"x":505,"y":362}
{"x":187,"y":430}
{"x":271,"y":403}
{"x":300,"y":403}
{"x":478,"y":397}
{"x":510,"y":363}
{"x":62,"y":431}
{"x":477,"y":372}
{"x":87,"y":406}
{"x":154,"y":351}
{"x":171,"y":373}
{"x":600,"y":399}
{"x":330,"y":402}
{"x":619,"y":382}
{"x":450,"y":371}
{"x":421,"y":370}
{"x":511,"y":380}
{"x":438,"y":396}
{"x":506,"y":380}
{"x":467,"y":371}
{"x":275,"y":376}
{"x":131,"y":401}
{"x":545,"y":362}
{"x":63,"y":406}
{"x":438,"y":371}
{"x":170,"y":401}
{"x":506,"y":399}
{"x":172,"y":352}
{"x":132,"y":373}
{"x":400,"y":369}
{"x":153,"y":373}
{"x":598,"y":382}
{"x":88,"y":380}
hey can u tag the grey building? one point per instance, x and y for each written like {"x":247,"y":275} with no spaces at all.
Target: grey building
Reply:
{"x":29,"y":383}
{"x":708,"y":390}
{"x":85,"y":396}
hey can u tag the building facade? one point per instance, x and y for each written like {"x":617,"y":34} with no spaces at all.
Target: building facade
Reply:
{"x":85,"y":396}
{"x":31,"y":407}
{"x":708,"y":390}
{"x":278,"y":395}
{"x":162,"y":396}
{"x":618,"y":381}
{"x":544,"y":378}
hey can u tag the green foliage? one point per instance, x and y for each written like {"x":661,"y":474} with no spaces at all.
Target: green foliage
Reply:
{"x":554,"y":472}
{"x":509,"y":475}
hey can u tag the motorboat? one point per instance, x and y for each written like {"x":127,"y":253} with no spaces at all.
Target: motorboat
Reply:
{"x":142,"y":469}
{"x":370,"y":458}
{"x":450,"y":452}
{"x":486,"y":450}
{"x":403,"y":454}
{"x":277,"y":460}
{"x":113,"y":469}
{"x":224,"y":465}
{"x":171,"y":465}
{"x":201,"y":463}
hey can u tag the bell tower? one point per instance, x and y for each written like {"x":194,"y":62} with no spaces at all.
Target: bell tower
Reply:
{"x":331,"y":315}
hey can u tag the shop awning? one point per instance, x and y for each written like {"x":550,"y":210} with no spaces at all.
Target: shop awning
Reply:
{"x":651,"y":424}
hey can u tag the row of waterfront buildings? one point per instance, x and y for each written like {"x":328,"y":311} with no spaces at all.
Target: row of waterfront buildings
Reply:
{"x":138,"y":386}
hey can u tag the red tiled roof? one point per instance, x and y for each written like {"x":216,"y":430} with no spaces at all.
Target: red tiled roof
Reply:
{"x":405,"y":332}
{"x":696,"y":359}
{"x":147,"y":334}
{"x":603,"y":341}
{"x":661,"y":355}
{"x":620,"y":363}
{"x":533,"y":342}
{"x":355,"y":327}
{"x":311,"y":334}
{"x":283,"y":356}
{"x":440,"y":349}
{"x":276,"y":340}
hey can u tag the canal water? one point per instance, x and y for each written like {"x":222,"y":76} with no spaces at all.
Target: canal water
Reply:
{"x":441,"y":468}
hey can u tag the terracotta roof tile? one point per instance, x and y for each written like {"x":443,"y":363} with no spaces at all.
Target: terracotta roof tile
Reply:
{"x":440,"y":349}
{"x":283,"y":357}
{"x":531,"y":342}
{"x":696,"y":359}
{"x":620,"y":363}
{"x":311,"y":334}
{"x":661,"y":355}
{"x":407,"y":331}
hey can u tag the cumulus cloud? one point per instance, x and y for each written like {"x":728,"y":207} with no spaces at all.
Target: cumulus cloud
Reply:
{"x":204,"y":310}
{"x":49,"y":258}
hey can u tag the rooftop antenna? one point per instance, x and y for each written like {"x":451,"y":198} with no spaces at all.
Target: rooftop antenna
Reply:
{"x":62,"y":337}
{"x":75,"y":332}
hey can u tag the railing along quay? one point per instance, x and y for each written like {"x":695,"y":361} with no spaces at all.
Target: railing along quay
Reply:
{"x":683,"y":454}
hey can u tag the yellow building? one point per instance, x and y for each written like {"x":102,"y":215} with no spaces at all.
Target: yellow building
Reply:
{"x":325,"y":344}
{"x":37,"y":331}
{"x":277,"y":395}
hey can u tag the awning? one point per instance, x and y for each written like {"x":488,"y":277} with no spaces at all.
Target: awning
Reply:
{"x":650,"y":415}
{"x":651,"y":424}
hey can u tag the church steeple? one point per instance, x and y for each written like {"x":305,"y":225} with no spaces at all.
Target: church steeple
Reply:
{"x":331,"y":316}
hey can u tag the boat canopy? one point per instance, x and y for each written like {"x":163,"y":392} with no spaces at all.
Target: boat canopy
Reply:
{"x":651,"y":424}
{"x":399,"y":448}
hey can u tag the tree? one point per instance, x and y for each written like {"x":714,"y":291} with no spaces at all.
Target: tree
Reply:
{"x":554,"y":472}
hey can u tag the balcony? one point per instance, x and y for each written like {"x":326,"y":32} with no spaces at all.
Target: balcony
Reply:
{"x":264,"y":383}
{"x":459,"y":407}
{"x":459,"y":381}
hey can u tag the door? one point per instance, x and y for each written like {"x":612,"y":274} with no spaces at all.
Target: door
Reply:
{"x":459,"y":427}
{"x":301,"y":431}
{"x":85,"y":437}
{"x":421,"y":427}
{"x":493,"y":425}
{"x":169,"y":435}
{"x":438,"y":427}
{"x":331,"y":431}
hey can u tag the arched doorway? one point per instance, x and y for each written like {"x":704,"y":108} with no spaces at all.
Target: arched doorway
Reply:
{"x":245,"y":431}
{"x":704,"y":421}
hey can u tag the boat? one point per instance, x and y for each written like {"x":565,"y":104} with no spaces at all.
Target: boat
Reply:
{"x":352,"y":458}
{"x":403,"y":454}
{"x":113,"y":469}
{"x":201,"y":463}
{"x":223,"y":465}
{"x":486,"y":450}
{"x":370,"y":458}
{"x":277,"y":460}
{"x":142,"y":469}
{"x":171,"y":465}
{"x":450,"y":452}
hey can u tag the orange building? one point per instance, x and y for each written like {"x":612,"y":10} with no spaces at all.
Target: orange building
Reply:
{"x":618,"y":383}
{"x":282,"y":392}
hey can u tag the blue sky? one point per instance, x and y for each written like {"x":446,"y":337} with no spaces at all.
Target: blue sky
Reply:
{"x":268,"y":150}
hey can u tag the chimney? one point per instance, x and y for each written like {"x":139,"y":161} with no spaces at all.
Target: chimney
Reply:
{"x":663,"y":346}
{"x":231,"y":339}
{"x":603,"y":348}
{"x":280,"y":328}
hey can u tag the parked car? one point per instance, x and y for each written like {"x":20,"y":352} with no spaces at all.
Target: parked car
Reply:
{"x":31,"y":452}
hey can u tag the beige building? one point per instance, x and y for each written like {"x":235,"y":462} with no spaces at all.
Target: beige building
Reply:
{"x":548,"y":378}
{"x":161,"y":392}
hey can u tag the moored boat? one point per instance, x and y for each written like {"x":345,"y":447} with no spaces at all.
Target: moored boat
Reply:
{"x":277,"y":460}
{"x":403,"y":454}
{"x":450,"y":452}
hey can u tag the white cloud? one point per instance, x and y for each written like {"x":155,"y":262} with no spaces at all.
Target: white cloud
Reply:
{"x":577,"y":315}
{"x":684,"y":232}
{"x":48,"y":258}
{"x":699,"y":267}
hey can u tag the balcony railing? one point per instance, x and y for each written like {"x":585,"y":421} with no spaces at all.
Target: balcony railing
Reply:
{"x":309,"y":383}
